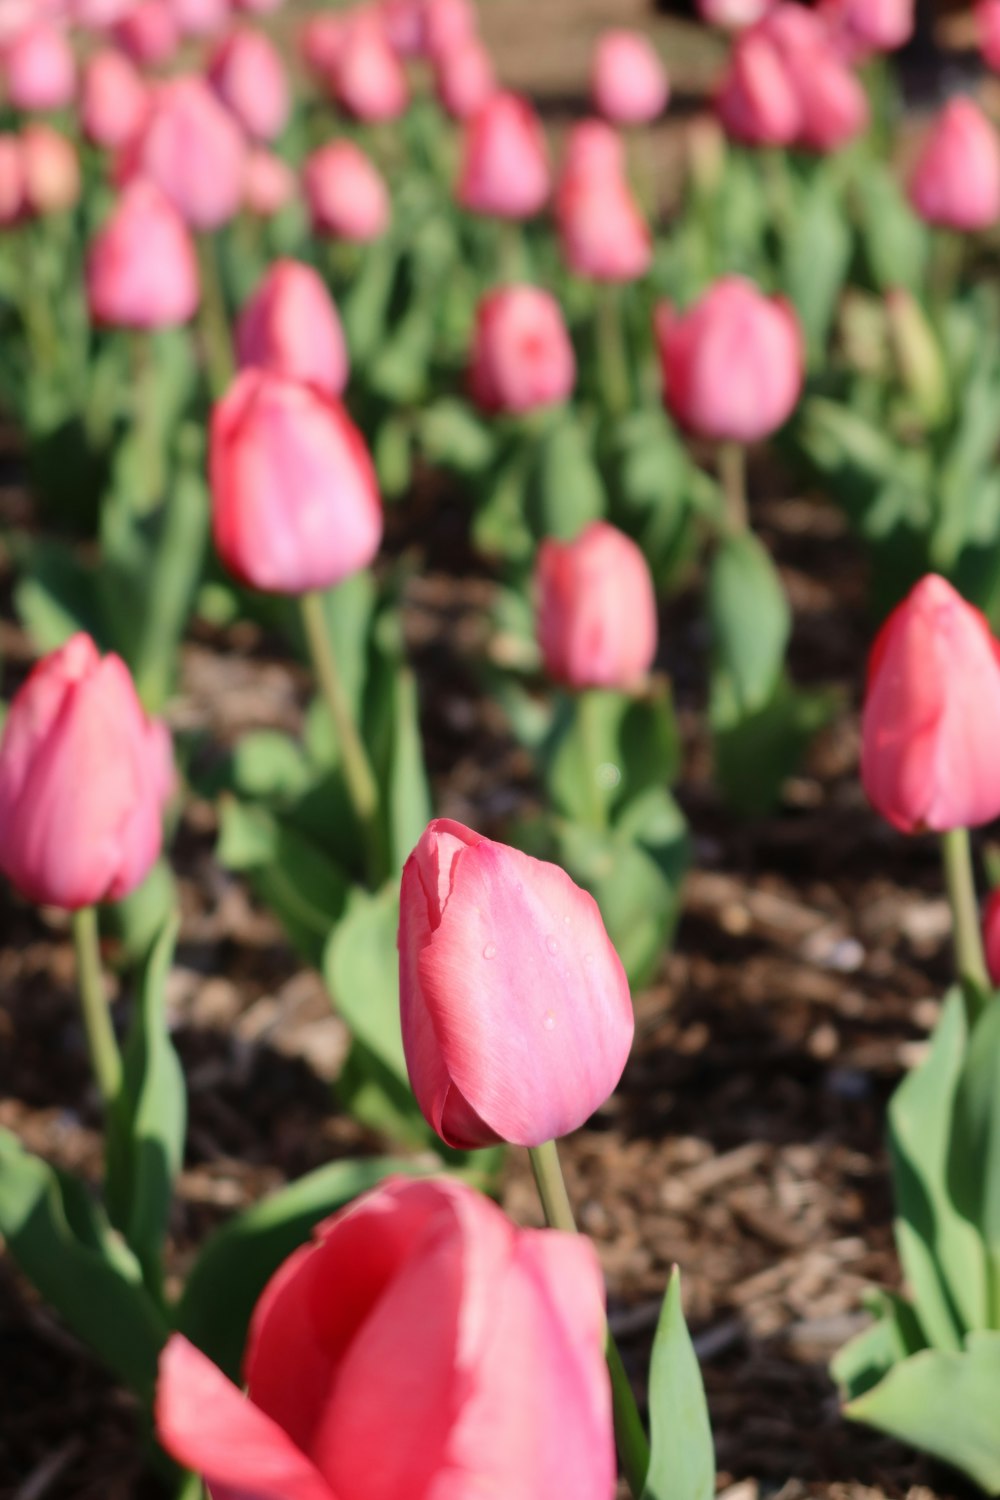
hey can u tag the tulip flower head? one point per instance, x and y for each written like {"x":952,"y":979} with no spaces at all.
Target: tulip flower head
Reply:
{"x":866,"y":26}
{"x":628,"y":82}
{"x":448,"y":26}
{"x":195,"y":152}
{"x":733,"y":15}
{"x":269,"y":184}
{"x":290,"y":326}
{"x":596,"y":621}
{"x":987,"y":15}
{"x":956,"y":181}
{"x":114,"y":100}
{"x":148,"y":33}
{"x":51,"y":170}
{"x":249,"y":77}
{"x":464,"y":79}
{"x":201,"y":18}
{"x":39,"y":68}
{"x":505,"y":163}
{"x":142,"y":268}
{"x":347,"y":197}
{"x":369,"y":81}
{"x":522,"y":357}
{"x":602,"y":233}
{"x":932,"y":714}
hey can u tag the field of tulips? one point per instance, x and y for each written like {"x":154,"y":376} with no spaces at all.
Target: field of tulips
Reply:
{"x":499,"y":707}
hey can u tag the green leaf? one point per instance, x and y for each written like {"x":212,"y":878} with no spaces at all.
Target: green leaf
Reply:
{"x":361,"y":969}
{"x":55,"y":595}
{"x":239,"y":1259}
{"x":499,"y":528}
{"x":755,"y":752}
{"x":268,"y":766}
{"x":606,"y":748}
{"x":682,"y":1454}
{"x":944,"y":1404}
{"x":974,"y":1154}
{"x":453,"y":436}
{"x":565,"y":492}
{"x":407,"y":789}
{"x":817,"y":256}
{"x":870,"y":1355}
{"x":750,"y":620}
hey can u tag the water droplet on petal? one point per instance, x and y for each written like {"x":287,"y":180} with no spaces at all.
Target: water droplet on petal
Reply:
{"x":567,"y":921}
{"x":588,"y":958}
{"x":490,"y":951}
{"x":552,"y":945}
{"x":549,"y":1021}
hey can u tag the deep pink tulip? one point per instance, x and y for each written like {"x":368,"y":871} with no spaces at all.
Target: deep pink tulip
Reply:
{"x":51,"y":170}
{"x":597,"y":625}
{"x":464,"y":79}
{"x":522,"y":357}
{"x":988,"y":32}
{"x":368,"y":79}
{"x":320,"y":40}
{"x":40,"y":69}
{"x":142,"y":270}
{"x":402,"y":22}
{"x":956,"y":181}
{"x":269,"y":184}
{"x":201,"y":18}
{"x":505,"y":161}
{"x":758,"y":102}
{"x":149,"y":33}
{"x":347,"y":197}
{"x":733,"y":15}
{"x":866,"y":26}
{"x":194,"y":150}
{"x":290,"y":326}
{"x":12,"y":195}
{"x":295,"y":502}
{"x":628,"y":82}
{"x":733,"y":364}
{"x":114,"y":100}
{"x":517,"y":1019}
{"x":602,"y":233}
{"x":421,"y":1345}
{"x":248,"y":75}
{"x":833,"y":103}
{"x":991,"y":936}
{"x":448,"y":25}
{"x":84,"y":776}
{"x":931,"y":720}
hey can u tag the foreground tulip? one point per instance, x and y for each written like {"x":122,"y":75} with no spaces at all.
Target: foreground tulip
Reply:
{"x":368,"y":78}
{"x":84,"y":776}
{"x":39,"y":69}
{"x":420,"y":1346}
{"x":931,"y":718}
{"x":522,"y":357}
{"x":114,"y":100}
{"x":249,"y":77}
{"x":51,"y":170}
{"x":347,"y":197}
{"x":628,"y":82}
{"x":517,"y":1019}
{"x":505,"y":163}
{"x":732,"y":365}
{"x":142,"y":270}
{"x":988,"y":32}
{"x":194,"y":151}
{"x":295,"y":503}
{"x":597,"y":625}
{"x":956,"y":182}
{"x":290,"y":326}
{"x":602,"y":233}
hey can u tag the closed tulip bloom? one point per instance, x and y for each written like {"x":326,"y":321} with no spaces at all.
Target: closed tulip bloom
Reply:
{"x":149,"y":33}
{"x":505,"y":161}
{"x":295,"y":502}
{"x":269,"y":184}
{"x":464,"y":79}
{"x":402,"y":22}
{"x":758,"y":102}
{"x":84,"y":776}
{"x":522,"y":357}
{"x":956,"y":181}
{"x":932,"y":714}
{"x":628,"y":82}
{"x":988,"y":31}
{"x":347,"y":197}
{"x":870,"y":25}
{"x":733,"y":15}
{"x":602,"y":233}
{"x":249,"y":77}
{"x":51,"y":170}
{"x":320,"y":40}
{"x":290,"y":326}
{"x":832,"y":100}
{"x":732,"y":365}
{"x":142,"y":270}
{"x":114,"y":100}
{"x":368,"y":78}
{"x":448,"y":25}
{"x":421,"y":1346}
{"x":201,"y":18}
{"x":40,"y":69}
{"x":597,"y":625}
{"x":517,"y":1019}
{"x":194,"y":151}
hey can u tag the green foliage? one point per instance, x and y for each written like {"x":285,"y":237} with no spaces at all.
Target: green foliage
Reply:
{"x":682,"y":1454}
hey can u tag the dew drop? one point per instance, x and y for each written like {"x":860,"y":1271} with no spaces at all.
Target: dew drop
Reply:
{"x":588,"y":958}
{"x":549,"y":1021}
{"x":490,"y":951}
{"x":567,"y":921}
{"x":552,"y":945}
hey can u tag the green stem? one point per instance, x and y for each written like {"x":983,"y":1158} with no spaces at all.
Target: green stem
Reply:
{"x":362,"y":787}
{"x":145,"y":397}
{"x":510,"y":254}
{"x":733,"y":478}
{"x":214,"y":320}
{"x":612,"y":354}
{"x":105,"y":1057}
{"x":970,"y":961}
{"x":589,"y":711}
{"x":630,"y":1435}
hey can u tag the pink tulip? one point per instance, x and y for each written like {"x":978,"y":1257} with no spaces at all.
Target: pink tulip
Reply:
{"x":201,"y":18}
{"x":597,"y":625}
{"x":258,"y":7}
{"x":464,"y":79}
{"x":51,"y":170}
{"x":40,"y":70}
{"x":248,"y":75}
{"x":628,"y":82}
{"x":522,"y":357}
{"x":505,"y":162}
{"x":602,"y":233}
{"x":295,"y":503}
{"x":321,"y":38}
{"x":732,"y":365}
{"x":368,"y":78}
{"x":142,"y":270}
{"x":419,"y":1346}
{"x":932,"y":714}
{"x":347,"y":197}
{"x":402,"y":23}
{"x":149,"y":33}
{"x":114,"y":102}
{"x":84,"y":776}
{"x":991,"y":936}
{"x":956,"y":182}
{"x":96,"y":15}
{"x":758,"y":102}
{"x":517,"y":1019}
{"x":290,"y":327}
{"x":269,"y":184}
{"x":193,"y":149}
{"x":988,"y":30}
{"x":449,"y":25}
{"x":866,"y":26}
{"x":733,"y":15}
{"x":12,"y":185}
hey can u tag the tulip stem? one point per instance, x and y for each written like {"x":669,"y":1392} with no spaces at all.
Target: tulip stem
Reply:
{"x":214,"y":320}
{"x":733,"y":477}
{"x":105,"y":1057}
{"x":145,"y":412}
{"x":589,"y":710}
{"x":612,"y":355}
{"x":630,"y":1435}
{"x":362,"y":787}
{"x":970,"y":960}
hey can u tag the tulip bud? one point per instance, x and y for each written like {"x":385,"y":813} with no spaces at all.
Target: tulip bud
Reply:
{"x":733,"y":15}
{"x":148,"y":34}
{"x":115,"y":100}
{"x":290,"y":327}
{"x":517,"y":1019}
{"x":988,"y":31}
{"x":84,"y":777}
{"x":991,"y":937}
{"x":368,"y":78}
{"x":142,"y":270}
{"x":249,"y":77}
{"x":919,"y":356}
{"x":320,"y":41}
{"x":596,"y":622}
{"x":51,"y":170}
{"x":39,"y":68}
{"x":402,"y":22}
{"x":201,"y":18}
{"x":505,"y":163}
{"x":448,"y":26}
{"x":258,"y":7}
{"x":522,"y":357}
{"x":194,"y":151}
{"x":12,"y":186}
{"x":956,"y":182}
{"x":733,"y":365}
{"x":865,"y":26}
{"x":420,"y":1345}
{"x":602,"y":233}
{"x":628,"y":82}
{"x":931,"y":720}
{"x":269,"y":184}
{"x":347,"y":197}
{"x":464,"y":79}
{"x":758,"y":102}
{"x":295,"y":503}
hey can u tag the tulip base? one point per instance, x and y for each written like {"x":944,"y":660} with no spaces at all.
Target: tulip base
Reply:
{"x":970,"y":960}
{"x":101,"y":1040}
